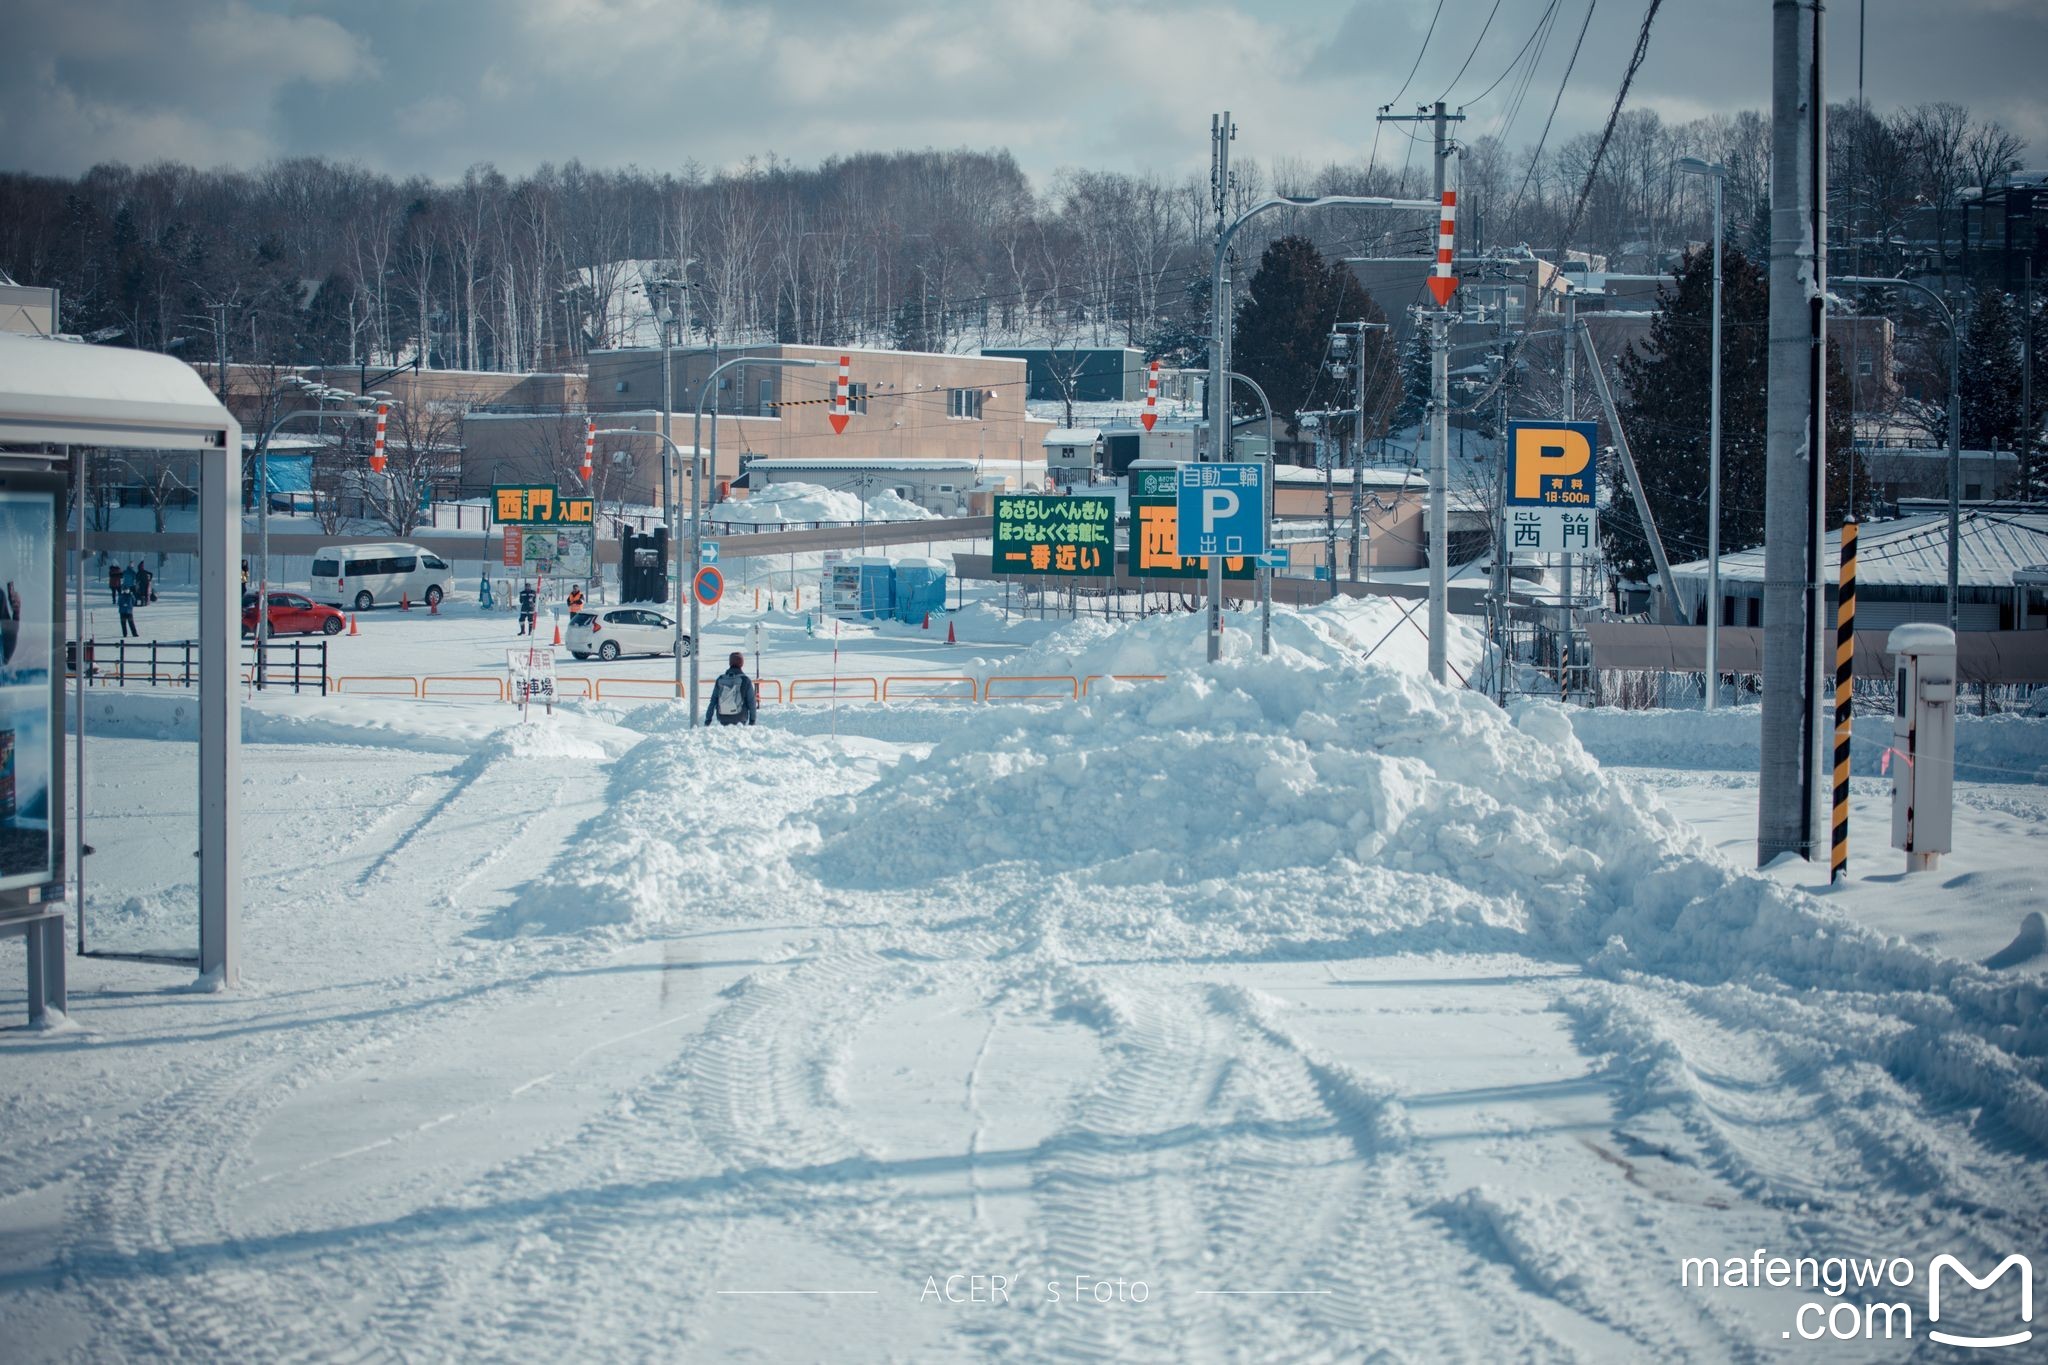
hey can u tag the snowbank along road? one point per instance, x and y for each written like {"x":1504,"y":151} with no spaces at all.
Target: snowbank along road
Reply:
{"x":1287,"y":1010}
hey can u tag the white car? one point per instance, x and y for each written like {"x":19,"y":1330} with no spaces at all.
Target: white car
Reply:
{"x":609,"y":632}
{"x":366,"y":576}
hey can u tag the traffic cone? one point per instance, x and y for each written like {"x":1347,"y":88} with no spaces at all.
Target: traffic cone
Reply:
{"x":949,"y":634}
{"x":405,"y":601}
{"x":351,"y":623}
{"x":433,"y":606}
{"x":558,"y":629}
{"x":927,"y":620}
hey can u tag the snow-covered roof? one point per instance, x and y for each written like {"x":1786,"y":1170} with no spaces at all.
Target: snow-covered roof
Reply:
{"x":1073,"y":436}
{"x":1913,"y":552}
{"x":904,"y":466}
{"x":65,"y":392}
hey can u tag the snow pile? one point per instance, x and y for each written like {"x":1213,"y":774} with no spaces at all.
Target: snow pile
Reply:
{"x":1260,"y":808}
{"x":437,"y":725}
{"x":694,"y":824}
{"x":1340,"y":631}
{"x":783,"y":503}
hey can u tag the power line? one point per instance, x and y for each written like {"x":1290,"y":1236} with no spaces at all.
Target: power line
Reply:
{"x":1606,"y":134}
{"x":1542,"y":20}
{"x":1473,"y":53}
{"x":1536,"y":157}
{"x":1418,"y":54}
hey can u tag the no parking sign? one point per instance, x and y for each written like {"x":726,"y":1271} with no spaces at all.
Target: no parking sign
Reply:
{"x":709,"y":585}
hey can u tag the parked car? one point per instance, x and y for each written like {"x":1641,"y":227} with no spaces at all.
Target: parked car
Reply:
{"x":362,"y":576}
{"x":292,"y":613}
{"x":609,"y":632}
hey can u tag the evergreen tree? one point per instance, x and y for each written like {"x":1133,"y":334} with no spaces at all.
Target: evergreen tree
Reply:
{"x":1667,"y":412}
{"x":1991,"y":375}
{"x":1283,"y":325}
{"x":1415,"y":379}
{"x":910,"y":331}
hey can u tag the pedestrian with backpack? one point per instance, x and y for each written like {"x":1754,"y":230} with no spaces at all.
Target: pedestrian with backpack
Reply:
{"x":732,"y":696}
{"x":124,"y":599}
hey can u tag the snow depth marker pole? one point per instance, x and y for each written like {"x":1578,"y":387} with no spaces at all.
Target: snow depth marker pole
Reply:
{"x":1151,"y":396}
{"x":377,"y":446}
{"x":1845,"y":685}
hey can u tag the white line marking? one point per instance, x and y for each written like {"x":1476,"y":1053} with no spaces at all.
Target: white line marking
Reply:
{"x":537,"y":1080}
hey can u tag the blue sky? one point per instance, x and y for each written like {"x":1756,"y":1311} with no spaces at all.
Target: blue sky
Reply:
{"x":432,"y":86}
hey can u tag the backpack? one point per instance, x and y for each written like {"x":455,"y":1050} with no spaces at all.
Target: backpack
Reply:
{"x":732,"y":695}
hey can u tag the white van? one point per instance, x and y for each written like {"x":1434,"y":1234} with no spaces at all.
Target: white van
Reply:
{"x":358,"y":577}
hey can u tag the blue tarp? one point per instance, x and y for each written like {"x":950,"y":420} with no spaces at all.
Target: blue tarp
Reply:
{"x":289,"y":473}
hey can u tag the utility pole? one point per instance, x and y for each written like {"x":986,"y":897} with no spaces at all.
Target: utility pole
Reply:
{"x":1571,"y":413}
{"x":2027,"y":474}
{"x":1221,"y":133}
{"x":1817,"y":718}
{"x":1440,"y":397}
{"x":1784,"y":779}
{"x":1358,"y":445}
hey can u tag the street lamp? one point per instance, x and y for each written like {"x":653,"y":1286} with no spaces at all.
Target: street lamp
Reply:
{"x":1719,"y":175}
{"x":319,"y":393}
{"x":1955,"y":420}
{"x":1219,"y":393}
{"x":710,"y":387}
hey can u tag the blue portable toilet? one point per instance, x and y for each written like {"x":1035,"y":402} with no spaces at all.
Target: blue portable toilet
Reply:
{"x":920,"y":588}
{"x":877,"y":587}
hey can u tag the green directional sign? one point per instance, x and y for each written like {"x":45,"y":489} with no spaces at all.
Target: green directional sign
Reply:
{"x":1050,"y":534}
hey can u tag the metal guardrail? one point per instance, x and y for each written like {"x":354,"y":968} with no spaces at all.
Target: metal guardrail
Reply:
{"x":300,"y":665}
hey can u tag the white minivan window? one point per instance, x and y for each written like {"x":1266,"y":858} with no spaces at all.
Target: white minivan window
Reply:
{"x":433,"y":561}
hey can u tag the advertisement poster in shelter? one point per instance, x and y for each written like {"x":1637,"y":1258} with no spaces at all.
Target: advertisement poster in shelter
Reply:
{"x":27,"y":701}
{"x":550,"y":551}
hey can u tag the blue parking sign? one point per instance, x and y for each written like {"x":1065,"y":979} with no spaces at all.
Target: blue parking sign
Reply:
{"x":1221,"y":510}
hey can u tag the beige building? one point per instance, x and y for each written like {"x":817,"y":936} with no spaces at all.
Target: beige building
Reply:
{"x":904,"y":405}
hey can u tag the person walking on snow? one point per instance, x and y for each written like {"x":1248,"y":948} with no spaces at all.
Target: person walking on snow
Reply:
{"x":732,"y":695}
{"x":145,"y":585}
{"x":529,"y":615}
{"x":124,"y":598}
{"x":115,"y":573}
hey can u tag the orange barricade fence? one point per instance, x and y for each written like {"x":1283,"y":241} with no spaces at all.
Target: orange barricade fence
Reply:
{"x":835,"y":689}
{"x":928,"y":687}
{"x":636,"y":689}
{"x":379,"y":685}
{"x":761,"y":693}
{"x":464,"y":685}
{"x":1039,"y":689}
{"x":574,"y":688}
{"x":1094,"y":678}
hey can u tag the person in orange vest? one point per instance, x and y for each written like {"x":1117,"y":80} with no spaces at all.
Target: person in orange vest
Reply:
{"x":575,"y":600}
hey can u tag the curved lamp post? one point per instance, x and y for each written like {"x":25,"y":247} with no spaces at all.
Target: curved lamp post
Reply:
{"x":1219,"y":394}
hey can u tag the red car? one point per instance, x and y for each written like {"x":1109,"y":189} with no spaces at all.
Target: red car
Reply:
{"x":293,"y":613}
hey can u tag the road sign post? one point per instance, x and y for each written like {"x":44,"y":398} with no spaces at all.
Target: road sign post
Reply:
{"x":1551,"y":480}
{"x":1222,"y":509}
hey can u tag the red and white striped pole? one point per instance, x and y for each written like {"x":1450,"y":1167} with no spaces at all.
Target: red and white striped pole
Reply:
{"x":589,"y":447}
{"x":377,"y":446}
{"x":1442,"y":283}
{"x":1151,"y":396}
{"x":839,"y":395}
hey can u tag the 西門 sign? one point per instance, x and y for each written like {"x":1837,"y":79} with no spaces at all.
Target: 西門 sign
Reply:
{"x":1551,"y":480}
{"x":1222,"y":509}
{"x":537,"y":504}
{"x":1073,"y":536}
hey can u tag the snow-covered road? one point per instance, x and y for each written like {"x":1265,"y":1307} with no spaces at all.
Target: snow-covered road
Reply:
{"x":1275,"y":1012}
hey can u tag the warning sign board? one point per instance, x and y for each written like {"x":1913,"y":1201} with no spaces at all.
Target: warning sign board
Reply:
{"x":1553,"y":479}
{"x":1067,"y":536}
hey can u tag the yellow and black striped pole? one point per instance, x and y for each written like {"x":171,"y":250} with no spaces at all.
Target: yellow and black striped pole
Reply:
{"x":1845,"y":686}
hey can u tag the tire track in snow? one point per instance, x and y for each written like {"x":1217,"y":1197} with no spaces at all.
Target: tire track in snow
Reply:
{"x":158,"y":1185}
